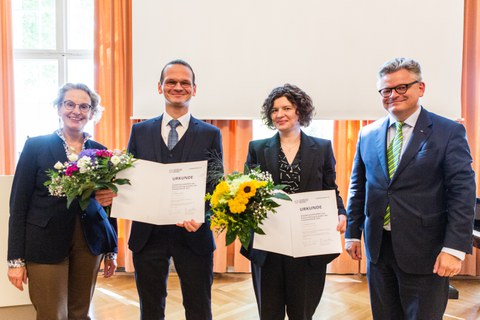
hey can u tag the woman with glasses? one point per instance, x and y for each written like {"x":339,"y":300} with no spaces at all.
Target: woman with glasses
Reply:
{"x":302,"y":163}
{"x":59,"y":250}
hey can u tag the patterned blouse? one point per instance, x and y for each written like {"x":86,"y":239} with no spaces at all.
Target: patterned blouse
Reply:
{"x":290,"y":174}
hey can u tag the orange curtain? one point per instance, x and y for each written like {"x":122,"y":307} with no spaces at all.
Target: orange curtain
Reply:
{"x":113,"y":81}
{"x":471,"y":102}
{"x":7,"y":129}
{"x":344,"y":146}
{"x":235,"y":137}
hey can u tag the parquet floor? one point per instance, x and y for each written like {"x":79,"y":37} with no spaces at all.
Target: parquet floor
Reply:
{"x":345,"y":298}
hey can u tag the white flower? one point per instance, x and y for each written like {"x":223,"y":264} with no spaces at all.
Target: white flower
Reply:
{"x":84,"y":164}
{"x":72,"y":157}
{"x":115,"y":160}
{"x":58,"y":165}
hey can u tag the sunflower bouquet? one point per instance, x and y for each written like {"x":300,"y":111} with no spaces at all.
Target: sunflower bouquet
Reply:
{"x":240,"y":203}
{"x":90,"y":170}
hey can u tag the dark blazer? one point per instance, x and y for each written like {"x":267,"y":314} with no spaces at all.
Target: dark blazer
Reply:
{"x":431,"y":195}
{"x":201,"y":140}
{"x":317,"y":173}
{"x":41,"y":227}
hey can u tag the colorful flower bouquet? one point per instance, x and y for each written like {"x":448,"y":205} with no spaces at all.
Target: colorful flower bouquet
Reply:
{"x":240,"y":203}
{"x":90,"y":170}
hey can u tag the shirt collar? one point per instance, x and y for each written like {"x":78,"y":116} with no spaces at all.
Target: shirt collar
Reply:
{"x":410,"y":121}
{"x":184,"y":120}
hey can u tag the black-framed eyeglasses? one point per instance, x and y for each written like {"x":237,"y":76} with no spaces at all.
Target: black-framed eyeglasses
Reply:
{"x":400,"y":89}
{"x":70,"y":105}
{"x":173,"y":84}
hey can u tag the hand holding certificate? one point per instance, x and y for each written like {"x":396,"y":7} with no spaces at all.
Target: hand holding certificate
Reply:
{"x":161,"y":193}
{"x":305,"y":226}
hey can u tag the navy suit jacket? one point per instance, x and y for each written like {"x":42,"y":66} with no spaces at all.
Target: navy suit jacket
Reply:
{"x":317,"y":173}
{"x":41,"y":227}
{"x":202,"y":140}
{"x":431,"y":195}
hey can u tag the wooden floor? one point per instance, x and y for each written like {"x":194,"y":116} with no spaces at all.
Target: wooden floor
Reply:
{"x":345,"y":298}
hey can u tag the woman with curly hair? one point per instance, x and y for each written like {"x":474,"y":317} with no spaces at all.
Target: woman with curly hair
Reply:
{"x":284,"y":284}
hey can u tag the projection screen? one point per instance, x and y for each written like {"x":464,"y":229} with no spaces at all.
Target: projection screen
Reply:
{"x":240,"y":50}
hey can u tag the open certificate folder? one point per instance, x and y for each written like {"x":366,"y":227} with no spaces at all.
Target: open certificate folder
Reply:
{"x":162,"y":193}
{"x":305,"y":226}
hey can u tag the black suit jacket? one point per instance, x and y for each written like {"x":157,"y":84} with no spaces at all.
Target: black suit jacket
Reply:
{"x":317,"y":173}
{"x":201,"y":141}
{"x":431,"y":195}
{"x":41,"y":226}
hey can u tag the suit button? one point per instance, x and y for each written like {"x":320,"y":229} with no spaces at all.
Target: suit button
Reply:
{"x":170,"y":155}
{"x":390,"y":192}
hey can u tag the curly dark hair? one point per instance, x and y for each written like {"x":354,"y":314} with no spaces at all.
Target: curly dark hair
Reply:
{"x":297,"y":97}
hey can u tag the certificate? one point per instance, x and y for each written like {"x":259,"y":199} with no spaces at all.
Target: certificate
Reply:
{"x":305,"y":226}
{"x":162,"y":193}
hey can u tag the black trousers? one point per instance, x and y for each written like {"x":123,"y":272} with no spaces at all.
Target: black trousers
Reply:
{"x":151,"y":275}
{"x":286,"y":284}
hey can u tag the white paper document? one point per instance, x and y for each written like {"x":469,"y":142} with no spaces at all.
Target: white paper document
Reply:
{"x":305,"y":226}
{"x":162,"y":193}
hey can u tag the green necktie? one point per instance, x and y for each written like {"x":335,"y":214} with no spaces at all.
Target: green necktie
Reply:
{"x":393,"y":158}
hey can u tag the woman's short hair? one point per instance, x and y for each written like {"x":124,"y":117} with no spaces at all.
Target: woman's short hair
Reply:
{"x":297,"y":97}
{"x":97,"y":110}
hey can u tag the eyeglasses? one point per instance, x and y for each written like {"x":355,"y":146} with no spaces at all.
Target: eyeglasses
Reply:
{"x":173,"y":84}
{"x":70,"y":105}
{"x":400,"y":89}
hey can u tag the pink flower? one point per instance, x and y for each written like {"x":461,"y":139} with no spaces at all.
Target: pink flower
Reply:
{"x":104,"y":153}
{"x":71,"y":169}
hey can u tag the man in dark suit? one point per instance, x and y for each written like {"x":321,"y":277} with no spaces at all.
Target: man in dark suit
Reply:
{"x":190,"y":243}
{"x":412,"y":193}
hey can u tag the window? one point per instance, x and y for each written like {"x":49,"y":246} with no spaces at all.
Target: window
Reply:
{"x":53,"y":44}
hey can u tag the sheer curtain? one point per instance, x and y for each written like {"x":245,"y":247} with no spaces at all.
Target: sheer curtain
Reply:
{"x":7,"y":120}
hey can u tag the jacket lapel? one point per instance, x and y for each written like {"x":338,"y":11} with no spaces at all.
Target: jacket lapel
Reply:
{"x":189,"y":137}
{"x":381,"y":144}
{"x":157,"y":143}
{"x":308,"y":153}
{"x":420,"y":134}
{"x":57,"y":149}
{"x":271,"y":152}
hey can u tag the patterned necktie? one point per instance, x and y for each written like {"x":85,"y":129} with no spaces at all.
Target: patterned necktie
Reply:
{"x":393,"y":158}
{"x":173,"y":134}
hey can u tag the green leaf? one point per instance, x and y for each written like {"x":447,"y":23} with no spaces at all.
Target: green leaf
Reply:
{"x":259,"y":231}
{"x":70,"y":198}
{"x":230,"y":237}
{"x":283,"y":196}
{"x":122,"y":181}
{"x":86,"y":195}
{"x":246,"y":242}
{"x":84,"y":203}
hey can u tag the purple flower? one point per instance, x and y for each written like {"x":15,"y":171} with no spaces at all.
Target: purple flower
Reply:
{"x":91,"y":153}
